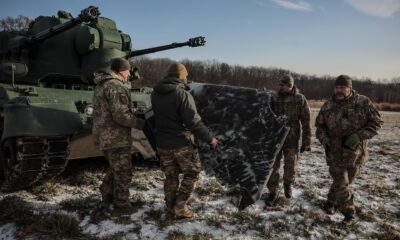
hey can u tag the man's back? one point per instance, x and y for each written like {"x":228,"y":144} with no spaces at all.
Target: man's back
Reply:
{"x":176,"y":120}
{"x":176,"y":115}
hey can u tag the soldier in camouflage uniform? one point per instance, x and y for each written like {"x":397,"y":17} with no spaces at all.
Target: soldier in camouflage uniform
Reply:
{"x":289,"y":102}
{"x":344,"y":125}
{"x":176,"y":120}
{"x":112,"y":122}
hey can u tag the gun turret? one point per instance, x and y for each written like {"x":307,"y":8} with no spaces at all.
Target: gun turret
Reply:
{"x":19,"y":42}
{"x":67,"y":50}
{"x":192,"y":42}
{"x":87,"y":15}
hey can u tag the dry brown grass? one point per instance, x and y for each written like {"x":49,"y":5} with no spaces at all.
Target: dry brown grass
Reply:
{"x":388,"y":106}
{"x":380,"y":106}
{"x":315,"y":103}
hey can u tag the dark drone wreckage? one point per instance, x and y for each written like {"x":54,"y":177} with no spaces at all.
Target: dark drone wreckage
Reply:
{"x":250,"y":134}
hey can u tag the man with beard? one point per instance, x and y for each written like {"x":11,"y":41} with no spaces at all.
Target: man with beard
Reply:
{"x":290,"y":103}
{"x":344,"y":125}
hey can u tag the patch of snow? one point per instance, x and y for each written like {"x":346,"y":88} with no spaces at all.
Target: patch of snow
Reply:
{"x":106,"y":228}
{"x":375,"y":190}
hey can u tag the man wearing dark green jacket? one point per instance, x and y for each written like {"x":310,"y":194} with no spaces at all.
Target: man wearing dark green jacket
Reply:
{"x":176,"y":121}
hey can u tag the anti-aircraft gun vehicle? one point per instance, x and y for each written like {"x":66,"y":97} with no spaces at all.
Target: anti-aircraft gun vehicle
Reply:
{"x":46,"y":90}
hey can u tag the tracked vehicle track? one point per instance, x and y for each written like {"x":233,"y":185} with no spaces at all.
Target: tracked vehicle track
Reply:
{"x":27,"y":160}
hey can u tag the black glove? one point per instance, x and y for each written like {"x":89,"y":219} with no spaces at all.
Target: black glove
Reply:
{"x":352,"y":141}
{"x":140,"y":123}
{"x":304,"y":148}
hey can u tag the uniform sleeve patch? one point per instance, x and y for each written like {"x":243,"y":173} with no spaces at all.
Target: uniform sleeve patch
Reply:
{"x":123,"y":99}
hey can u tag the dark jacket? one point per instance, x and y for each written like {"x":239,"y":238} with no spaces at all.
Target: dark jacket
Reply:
{"x":176,"y":117}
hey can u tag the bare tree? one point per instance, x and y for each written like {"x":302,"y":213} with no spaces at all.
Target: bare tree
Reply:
{"x":396,"y":80}
{"x":20,"y":23}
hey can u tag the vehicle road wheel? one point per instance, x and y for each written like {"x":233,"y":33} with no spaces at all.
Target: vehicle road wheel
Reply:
{"x":9,"y":164}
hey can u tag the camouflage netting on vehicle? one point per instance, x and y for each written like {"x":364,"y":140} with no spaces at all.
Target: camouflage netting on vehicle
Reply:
{"x":250,"y":137}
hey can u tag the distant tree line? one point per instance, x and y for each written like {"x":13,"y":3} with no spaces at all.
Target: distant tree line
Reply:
{"x":20,"y":23}
{"x":312,"y":86}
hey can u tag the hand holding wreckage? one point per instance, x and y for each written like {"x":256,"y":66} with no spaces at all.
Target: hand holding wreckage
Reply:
{"x":214,"y":143}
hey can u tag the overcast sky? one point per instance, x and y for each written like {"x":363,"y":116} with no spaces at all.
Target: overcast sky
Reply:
{"x":356,"y":37}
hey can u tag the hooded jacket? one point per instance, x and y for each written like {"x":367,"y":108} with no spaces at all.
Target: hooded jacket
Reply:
{"x":176,"y":117}
{"x":113,"y":117}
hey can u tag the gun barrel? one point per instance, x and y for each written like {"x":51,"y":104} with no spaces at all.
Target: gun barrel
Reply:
{"x":192,"y":42}
{"x":156,"y":49}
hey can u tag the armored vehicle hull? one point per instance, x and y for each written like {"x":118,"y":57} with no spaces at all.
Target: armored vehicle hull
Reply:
{"x":44,"y":128}
{"x":46,"y":91}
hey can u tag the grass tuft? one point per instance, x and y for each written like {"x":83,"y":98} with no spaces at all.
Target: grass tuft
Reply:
{"x":202,"y":236}
{"x":82,"y":205}
{"x":210,"y":188}
{"x":177,"y":235}
{"x":14,"y":209}
{"x":386,"y":232}
{"x":46,"y":190}
{"x":59,"y":226}
{"x":86,"y":178}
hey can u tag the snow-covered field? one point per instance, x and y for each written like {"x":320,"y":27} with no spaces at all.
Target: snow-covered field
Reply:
{"x":68,"y":207}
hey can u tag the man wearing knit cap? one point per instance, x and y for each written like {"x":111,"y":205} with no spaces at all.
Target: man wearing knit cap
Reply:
{"x":290,"y":103}
{"x":176,"y":121}
{"x":344,"y":125}
{"x":113,"y":119}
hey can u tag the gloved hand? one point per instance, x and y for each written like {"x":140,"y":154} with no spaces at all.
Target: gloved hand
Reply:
{"x":134,"y":74}
{"x":352,"y":141}
{"x":214,"y":143}
{"x":140,"y":123}
{"x":304,"y":148}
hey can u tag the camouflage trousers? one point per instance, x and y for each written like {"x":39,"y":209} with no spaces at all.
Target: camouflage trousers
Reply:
{"x":340,"y":194}
{"x":115,"y":186}
{"x":291,"y":157}
{"x":186,"y":161}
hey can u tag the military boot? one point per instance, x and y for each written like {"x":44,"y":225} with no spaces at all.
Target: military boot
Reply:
{"x":348,"y":219}
{"x":272,"y":197}
{"x":288,"y":190}
{"x":329,"y":208}
{"x":348,"y":213}
{"x":169,"y":211}
{"x":169,"y":206}
{"x":106,"y":197}
{"x":107,"y":202}
{"x":126,"y":209}
{"x":181,"y":210}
